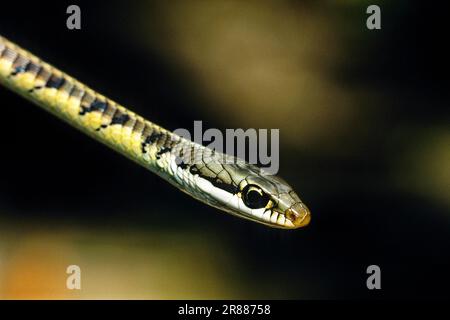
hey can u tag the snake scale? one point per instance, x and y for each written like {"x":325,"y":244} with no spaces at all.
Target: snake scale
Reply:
{"x":220,"y":180}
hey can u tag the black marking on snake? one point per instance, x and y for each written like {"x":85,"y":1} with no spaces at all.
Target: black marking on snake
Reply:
{"x":120,"y":118}
{"x":18,"y":56}
{"x":55,"y":82}
{"x":192,"y":154}
{"x":76,"y":92}
{"x":20,"y":69}
{"x":162,"y":151}
{"x":72,"y":90}
{"x":42,"y":74}
{"x":8,"y":54}
{"x":36,"y":69}
{"x":155,"y":136}
{"x":137,"y":129}
{"x":103,"y":126}
{"x":97,"y":105}
{"x":194,"y":170}
{"x":229,"y":187}
{"x":3,"y":53}
{"x":130,"y":123}
{"x":66,"y":88}
{"x":179,"y":160}
{"x":110,"y":112}
{"x":146,"y":131}
{"x":181,"y":163}
{"x":32,"y":66}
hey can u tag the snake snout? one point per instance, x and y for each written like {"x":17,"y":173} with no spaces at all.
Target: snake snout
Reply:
{"x":299,"y":215}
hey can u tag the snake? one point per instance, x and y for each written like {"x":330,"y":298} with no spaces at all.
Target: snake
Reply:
{"x":220,"y":180}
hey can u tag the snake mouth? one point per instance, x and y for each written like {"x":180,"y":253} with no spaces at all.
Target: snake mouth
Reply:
{"x":298,"y":215}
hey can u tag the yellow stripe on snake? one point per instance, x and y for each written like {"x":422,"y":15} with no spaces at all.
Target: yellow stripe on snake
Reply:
{"x":220,"y":180}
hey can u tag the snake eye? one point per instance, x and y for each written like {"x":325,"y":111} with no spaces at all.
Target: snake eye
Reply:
{"x":254,"y":197}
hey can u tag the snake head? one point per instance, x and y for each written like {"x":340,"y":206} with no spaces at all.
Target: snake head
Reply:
{"x":272,"y":201}
{"x":251,"y":193}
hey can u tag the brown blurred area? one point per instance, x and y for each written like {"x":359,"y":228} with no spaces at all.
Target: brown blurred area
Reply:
{"x":263,"y":64}
{"x":363,"y":118}
{"x":115,"y":264}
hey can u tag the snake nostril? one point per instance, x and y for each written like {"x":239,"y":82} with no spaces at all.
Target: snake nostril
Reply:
{"x":290,"y":214}
{"x":299,"y":215}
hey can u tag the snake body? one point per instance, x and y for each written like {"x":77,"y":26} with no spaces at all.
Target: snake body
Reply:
{"x":222,"y":181}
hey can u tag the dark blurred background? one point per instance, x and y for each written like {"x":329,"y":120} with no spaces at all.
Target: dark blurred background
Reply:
{"x":364,"y":132}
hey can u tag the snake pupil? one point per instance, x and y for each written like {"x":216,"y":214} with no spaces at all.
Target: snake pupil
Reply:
{"x":254,"y":197}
